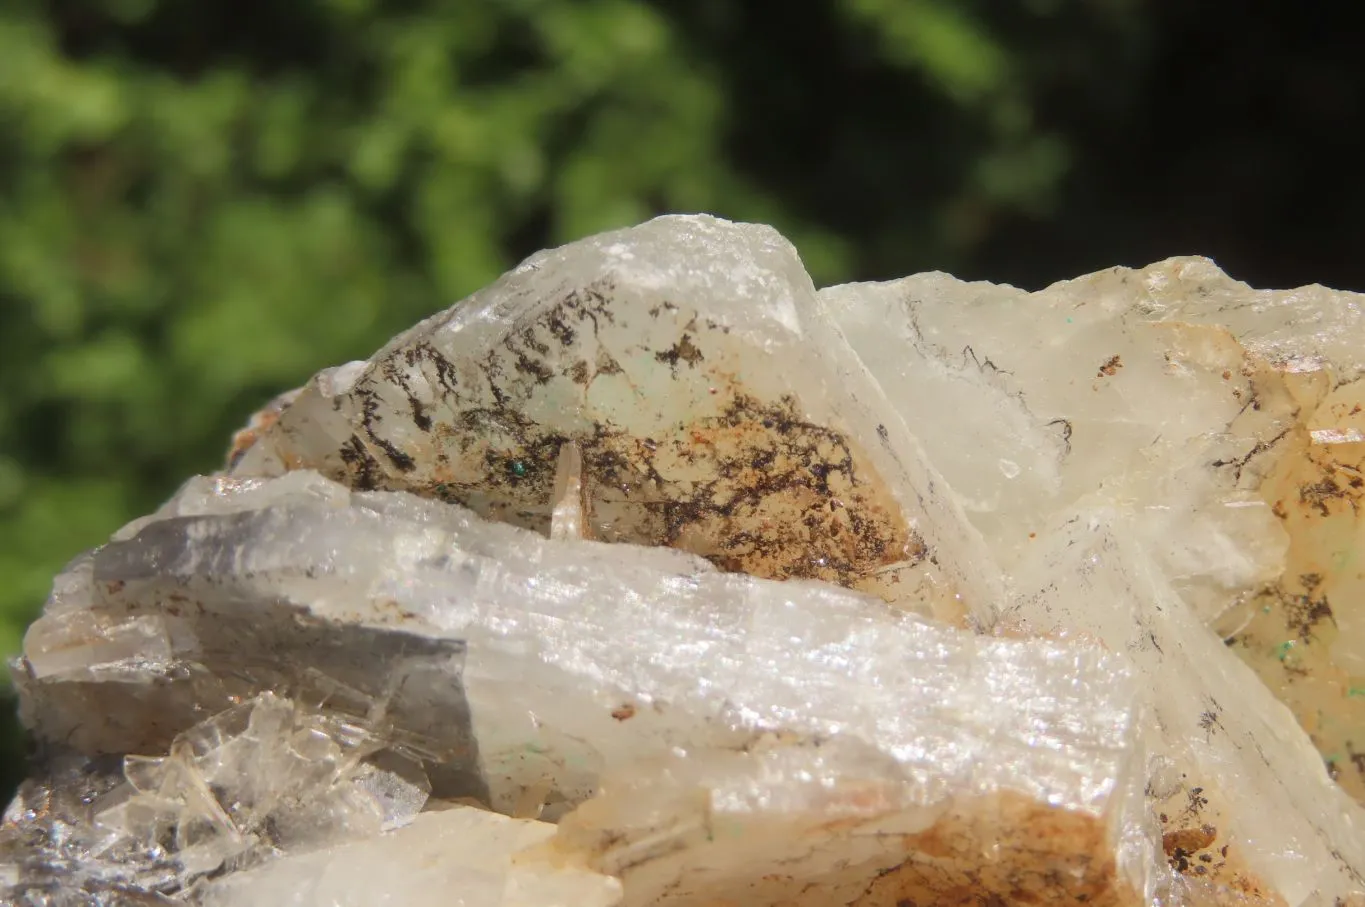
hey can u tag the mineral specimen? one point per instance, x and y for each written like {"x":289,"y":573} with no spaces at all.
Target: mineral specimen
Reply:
{"x":649,"y":575}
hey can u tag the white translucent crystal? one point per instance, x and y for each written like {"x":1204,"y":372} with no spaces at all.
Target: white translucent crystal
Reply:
{"x":764,"y":826}
{"x":687,"y":361}
{"x":261,"y":778}
{"x":722,"y":590}
{"x":1099,"y":384}
{"x":565,"y":632}
{"x":212,"y":650}
{"x":455,"y":856}
{"x":583,"y":659}
{"x":1141,"y":413}
{"x":1211,"y":719}
{"x":89,"y":641}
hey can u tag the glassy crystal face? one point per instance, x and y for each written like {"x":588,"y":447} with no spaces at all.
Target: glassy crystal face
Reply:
{"x":1218,"y":422}
{"x":683,"y":362}
{"x":649,"y":575}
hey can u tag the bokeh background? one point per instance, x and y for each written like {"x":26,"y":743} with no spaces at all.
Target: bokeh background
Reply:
{"x":204,"y":201}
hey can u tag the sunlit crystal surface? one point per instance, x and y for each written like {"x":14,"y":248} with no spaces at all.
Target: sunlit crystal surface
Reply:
{"x":649,"y":575}
{"x":1223,"y":423}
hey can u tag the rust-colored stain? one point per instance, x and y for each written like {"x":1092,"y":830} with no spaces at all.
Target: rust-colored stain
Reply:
{"x":1215,"y":871}
{"x":1000,"y":849}
{"x":1179,"y":844}
{"x":1110,"y":367}
{"x":1042,"y":856}
{"x":756,"y":490}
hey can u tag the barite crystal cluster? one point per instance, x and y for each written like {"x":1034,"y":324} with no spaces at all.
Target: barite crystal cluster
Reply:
{"x":649,"y":575}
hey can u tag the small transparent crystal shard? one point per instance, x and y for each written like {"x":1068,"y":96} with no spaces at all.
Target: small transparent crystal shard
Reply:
{"x":260,"y":778}
{"x":398,"y":786}
{"x":567,"y":518}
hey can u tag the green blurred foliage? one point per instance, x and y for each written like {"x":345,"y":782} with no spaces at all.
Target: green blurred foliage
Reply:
{"x":201,"y":203}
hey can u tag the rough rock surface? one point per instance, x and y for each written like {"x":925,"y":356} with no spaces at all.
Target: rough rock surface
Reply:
{"x":651,"y":575}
